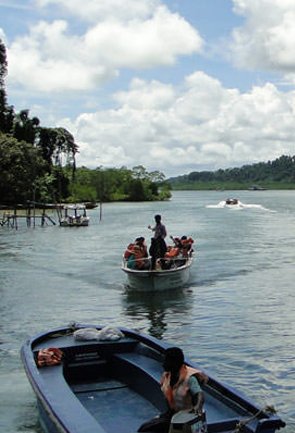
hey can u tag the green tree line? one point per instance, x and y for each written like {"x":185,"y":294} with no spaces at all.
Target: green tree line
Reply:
{"x":277,"y":174}
{"x":118,"y":184}
{"x":38,"y":164}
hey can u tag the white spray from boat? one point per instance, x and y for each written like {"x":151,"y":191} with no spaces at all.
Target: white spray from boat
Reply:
{"x":237,"y":206}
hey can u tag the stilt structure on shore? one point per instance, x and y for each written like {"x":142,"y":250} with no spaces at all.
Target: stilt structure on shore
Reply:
{"x":31,"y":214}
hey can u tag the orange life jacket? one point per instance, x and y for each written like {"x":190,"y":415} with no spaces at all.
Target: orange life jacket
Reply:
{"x":48,"y":357}
{"x":187,"y":242}
{"x":186,"y":245}
{"x":129,"y":251}
{"x":181,"y":388}
{"x":172,"y":252}
{"x":140,"y":254}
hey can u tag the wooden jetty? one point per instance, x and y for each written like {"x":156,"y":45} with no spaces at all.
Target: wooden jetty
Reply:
{"x":31,"y":214}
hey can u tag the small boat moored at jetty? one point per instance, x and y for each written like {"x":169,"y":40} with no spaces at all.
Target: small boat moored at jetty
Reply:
{"x":109,"y":381}
{"x":74,"y":216}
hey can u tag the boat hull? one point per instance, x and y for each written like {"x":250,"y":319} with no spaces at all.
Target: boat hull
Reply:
{"x":107,"y":386}
{"x":148,"y":280}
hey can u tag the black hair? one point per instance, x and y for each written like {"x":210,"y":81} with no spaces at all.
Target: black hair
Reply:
{"x":140,"y":239}
{"x":158,"y":218}
{"x":174,"y":358}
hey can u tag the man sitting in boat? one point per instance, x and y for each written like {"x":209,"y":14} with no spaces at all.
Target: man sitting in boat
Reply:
{"x":180,"y":385}
{"x":136,"y":254}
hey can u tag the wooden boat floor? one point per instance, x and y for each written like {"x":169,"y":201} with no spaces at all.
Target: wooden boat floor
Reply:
{"x":102,"y":399}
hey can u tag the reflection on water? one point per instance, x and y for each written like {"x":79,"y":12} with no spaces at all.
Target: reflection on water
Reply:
{"x":156,"y":308}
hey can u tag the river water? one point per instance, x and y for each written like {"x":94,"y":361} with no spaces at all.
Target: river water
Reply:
{"x":235,"y":317}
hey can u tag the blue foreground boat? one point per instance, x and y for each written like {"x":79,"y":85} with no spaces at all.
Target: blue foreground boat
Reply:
{"x":108,"y":385}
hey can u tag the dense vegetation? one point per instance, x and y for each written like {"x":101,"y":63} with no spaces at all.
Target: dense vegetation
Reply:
{"x":38,"y":164}
{"x":277,"y":174}
{"x":118,"y":184}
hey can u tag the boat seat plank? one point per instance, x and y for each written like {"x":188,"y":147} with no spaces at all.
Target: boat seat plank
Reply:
{"x":142,"y":374}
{"x":149,"y":365}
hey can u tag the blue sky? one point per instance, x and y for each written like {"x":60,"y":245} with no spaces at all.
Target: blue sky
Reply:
{"x":174,"y":85}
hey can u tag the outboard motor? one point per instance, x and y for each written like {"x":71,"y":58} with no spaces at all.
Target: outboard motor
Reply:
{"x":188,"y":422}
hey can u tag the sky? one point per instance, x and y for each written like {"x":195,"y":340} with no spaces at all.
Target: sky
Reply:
{"x":173,"y":85}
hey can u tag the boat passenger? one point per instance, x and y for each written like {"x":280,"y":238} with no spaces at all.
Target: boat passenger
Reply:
{"x":170,"y":256}
{"x":136,"y":254}
{"x":172,"y":252}
{"x":129,"y":256}
{"x":177,"y":242}
{"x":181,"y":387}
{"x":158,"y":246}
{"x":141,"y":254}
{"x":186,"y":245}
{"x":180,"y":251}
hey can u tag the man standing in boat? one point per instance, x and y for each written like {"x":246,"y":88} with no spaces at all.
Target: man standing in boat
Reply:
{"x":158,"y":246}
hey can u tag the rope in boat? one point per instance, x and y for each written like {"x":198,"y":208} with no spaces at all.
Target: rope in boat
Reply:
{"x":73,"y":326}
{"x":241,"y":424}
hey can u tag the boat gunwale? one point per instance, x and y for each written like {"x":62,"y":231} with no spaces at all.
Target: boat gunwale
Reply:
{"x":35,"y":379}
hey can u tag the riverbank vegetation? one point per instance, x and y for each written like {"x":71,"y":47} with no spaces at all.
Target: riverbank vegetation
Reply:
{"x":277,"y":174}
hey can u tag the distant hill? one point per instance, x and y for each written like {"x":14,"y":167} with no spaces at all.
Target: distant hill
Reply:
{"x":277,"y":174}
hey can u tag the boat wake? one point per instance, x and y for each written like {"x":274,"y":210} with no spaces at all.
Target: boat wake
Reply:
{"x":238,"y":206}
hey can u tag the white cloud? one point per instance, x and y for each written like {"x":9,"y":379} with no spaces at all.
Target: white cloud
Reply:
{"x":200,"y":123}
{"x":193,"y":125}
{"x":156,"y":41}
{"x":97,"y":10}
{"x":267,"y":38}
{"x":143,"y":95}
{"x":51,"y":58}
